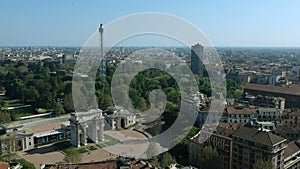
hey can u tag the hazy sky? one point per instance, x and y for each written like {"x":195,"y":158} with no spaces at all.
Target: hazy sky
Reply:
{"x":225,"y":22}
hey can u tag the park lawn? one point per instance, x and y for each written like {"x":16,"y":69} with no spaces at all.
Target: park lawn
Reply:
{"x":101,"y":145}
{"x":92,"y":148}
{"x":12,"y":103}
{"x":82,"y":150}
{"x":109,"y":141}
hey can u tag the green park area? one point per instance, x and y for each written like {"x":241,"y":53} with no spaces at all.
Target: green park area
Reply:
{"x":13,"y":109}
{"x":108,"y":141}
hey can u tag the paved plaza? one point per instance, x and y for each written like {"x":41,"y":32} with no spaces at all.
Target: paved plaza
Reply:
{"x":45,"y":154}
{"x":130,"y":143}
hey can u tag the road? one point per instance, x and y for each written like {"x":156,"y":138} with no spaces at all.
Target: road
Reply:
{"x":42,"y":121}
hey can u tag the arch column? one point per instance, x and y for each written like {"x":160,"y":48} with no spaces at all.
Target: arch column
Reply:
{"x":101,"y":130}
{"x":84,"y":134}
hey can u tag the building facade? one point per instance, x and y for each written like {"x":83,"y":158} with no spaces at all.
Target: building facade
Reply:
{"x":219,"y":139}
{"x":269,"y":114}
{"x":197,"y":52}
{"x":118,"y":118}
{"x":292,"y":156}
{"x":251,"y":145}
{"x":291,"y":118}
{"x":238,"y":114}
{"x":15,"y":138}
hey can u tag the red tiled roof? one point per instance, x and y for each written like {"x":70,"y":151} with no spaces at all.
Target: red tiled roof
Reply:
{"x":292,"y":90}
{"x":246,"y":110}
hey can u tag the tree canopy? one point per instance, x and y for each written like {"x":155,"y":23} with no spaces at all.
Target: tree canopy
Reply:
{"x":210,"y":158}
{"x":72,"y":156}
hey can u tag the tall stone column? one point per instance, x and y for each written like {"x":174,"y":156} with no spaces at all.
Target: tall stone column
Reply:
{"x":101,"y":130}
{"x":84,"y":133}
{"x":77,"y":137}
{"x":95,"y":129}
{"x":75,"y":134}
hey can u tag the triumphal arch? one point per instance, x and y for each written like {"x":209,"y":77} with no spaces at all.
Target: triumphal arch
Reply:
{"x":86,"y":126}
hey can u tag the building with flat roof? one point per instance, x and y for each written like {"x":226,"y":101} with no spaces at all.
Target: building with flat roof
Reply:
{"x":197,"y":66}
{"x":290,"y":93}
{"x":50,"y":136}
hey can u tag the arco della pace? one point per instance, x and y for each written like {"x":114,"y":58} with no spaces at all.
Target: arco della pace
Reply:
{"x":90,"y":125}
{"x":86,"y":125}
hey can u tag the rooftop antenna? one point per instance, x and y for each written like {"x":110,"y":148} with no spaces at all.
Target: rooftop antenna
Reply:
{"x":103,"y":61}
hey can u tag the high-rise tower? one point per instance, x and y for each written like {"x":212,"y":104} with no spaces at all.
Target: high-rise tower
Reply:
{"x":103,"y":60}
{"x":197,"y":52}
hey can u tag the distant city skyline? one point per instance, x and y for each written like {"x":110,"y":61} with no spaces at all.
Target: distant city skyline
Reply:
{"x":226,"y":23}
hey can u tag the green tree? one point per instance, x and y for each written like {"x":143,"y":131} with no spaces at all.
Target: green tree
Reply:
{"x":204,"y":85}
{"x":262,"y":164}
{"x":234,"y":89}
{"x":238,"y":93}
{"x":210,"y":158}
{"x":31,"y":94}
{"x":180,"y":151}
{"x":170,"y":114}
{"x":25,"y":164}
{"x":68,"y":103}
{"x":155,"y":161}
{"x":4,"y":117}
{"x":59,"y":109}
{"x":72,"y":156}
{"x":167,"y":160}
